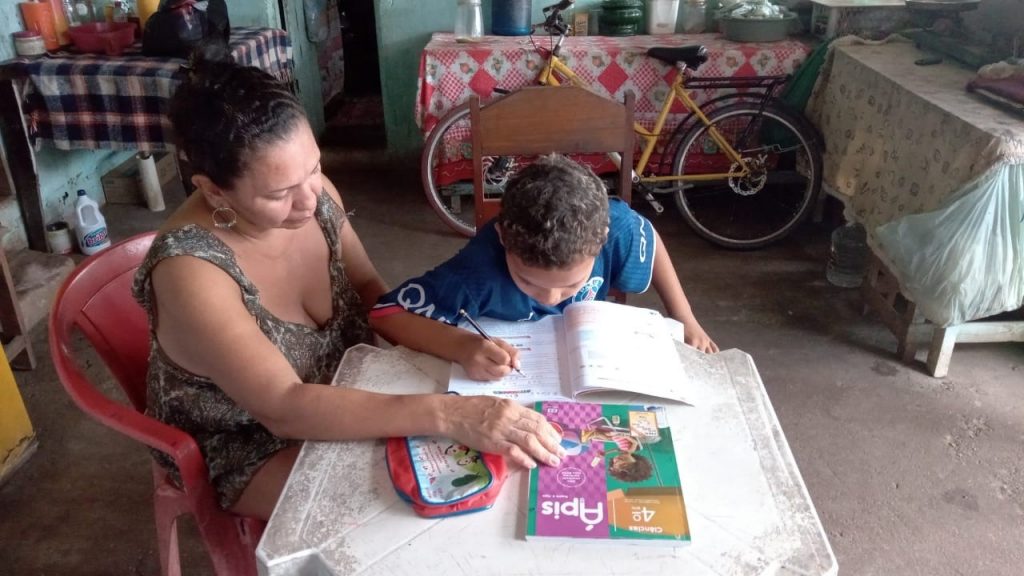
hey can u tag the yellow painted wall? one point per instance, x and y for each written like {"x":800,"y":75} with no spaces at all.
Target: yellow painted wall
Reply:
{"x":16,"y":434}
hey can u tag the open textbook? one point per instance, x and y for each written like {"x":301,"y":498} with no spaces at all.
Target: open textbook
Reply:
{"x":593,"y":346}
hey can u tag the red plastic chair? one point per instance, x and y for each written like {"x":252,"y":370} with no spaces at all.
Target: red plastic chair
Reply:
{"x":97,"y":300}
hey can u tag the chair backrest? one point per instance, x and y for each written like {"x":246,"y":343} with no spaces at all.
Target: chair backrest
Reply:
{"x":96,"y":298}
{"x":544,"y":119}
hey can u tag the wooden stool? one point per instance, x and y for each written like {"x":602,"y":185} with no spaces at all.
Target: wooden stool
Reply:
{"x":882,"y":294}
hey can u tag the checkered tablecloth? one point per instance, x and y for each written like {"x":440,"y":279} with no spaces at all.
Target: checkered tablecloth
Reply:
{"x":450,"y":72}
{"x":95,"y":101}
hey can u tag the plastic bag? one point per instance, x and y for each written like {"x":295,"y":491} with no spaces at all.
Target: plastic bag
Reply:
{"x":179,"y":25}
{"x":964,"y":261}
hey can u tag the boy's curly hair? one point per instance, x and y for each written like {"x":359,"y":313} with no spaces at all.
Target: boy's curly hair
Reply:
{"x":553,"y":213}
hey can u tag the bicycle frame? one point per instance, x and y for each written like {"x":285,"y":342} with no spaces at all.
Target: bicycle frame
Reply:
{"x":554,"y":67}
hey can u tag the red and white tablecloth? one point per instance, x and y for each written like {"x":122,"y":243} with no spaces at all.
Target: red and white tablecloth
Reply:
{"x":450,"y":72}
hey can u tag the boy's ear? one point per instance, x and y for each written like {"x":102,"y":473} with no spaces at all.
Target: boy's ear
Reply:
{"x":497,"y":228}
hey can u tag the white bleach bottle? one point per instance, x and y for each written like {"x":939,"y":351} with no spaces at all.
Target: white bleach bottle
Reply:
{"x":90,"y":227}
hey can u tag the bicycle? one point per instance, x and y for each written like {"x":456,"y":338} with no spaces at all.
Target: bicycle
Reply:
{"x":745,"y":170}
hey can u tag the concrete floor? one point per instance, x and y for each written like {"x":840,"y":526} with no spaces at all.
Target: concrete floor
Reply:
{"x":910,"y":474}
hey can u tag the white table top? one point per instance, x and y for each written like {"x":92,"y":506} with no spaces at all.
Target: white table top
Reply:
{"x":748,"y":508}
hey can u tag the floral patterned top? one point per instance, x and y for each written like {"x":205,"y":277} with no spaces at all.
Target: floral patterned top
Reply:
{"x":233,"y":443}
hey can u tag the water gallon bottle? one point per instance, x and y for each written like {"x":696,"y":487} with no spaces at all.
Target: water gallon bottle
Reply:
{"x":90,"y":227}
{"x":847,"y":258}
{"x":469,"y":21}
{"x":511,"y":17}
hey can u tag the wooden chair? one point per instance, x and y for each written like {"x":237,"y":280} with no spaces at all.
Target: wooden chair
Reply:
{"x":544,"y":119}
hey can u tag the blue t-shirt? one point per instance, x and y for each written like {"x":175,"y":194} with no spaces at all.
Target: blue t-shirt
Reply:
{"x":477,"y":278}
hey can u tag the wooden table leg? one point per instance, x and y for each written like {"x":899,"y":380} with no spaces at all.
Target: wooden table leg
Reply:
{"x":20,"y":163}
{"x":946,"y":338}
{"x":941,"y":350}
{"x":17,"y":344}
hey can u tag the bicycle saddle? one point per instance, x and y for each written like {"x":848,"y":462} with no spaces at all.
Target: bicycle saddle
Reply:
{"x":691,"y":56}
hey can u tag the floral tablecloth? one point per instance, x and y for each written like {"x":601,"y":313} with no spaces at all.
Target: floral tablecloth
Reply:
{"x":450,"y":72}
{"x":935,"y":174}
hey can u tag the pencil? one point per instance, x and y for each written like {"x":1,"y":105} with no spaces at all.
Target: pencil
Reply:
{"x":480,"y":331}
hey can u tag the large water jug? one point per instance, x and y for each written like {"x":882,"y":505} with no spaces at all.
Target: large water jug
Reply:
{"x":511,"y":17}
{"x":90,"y":227}
{"x":847,"y":259}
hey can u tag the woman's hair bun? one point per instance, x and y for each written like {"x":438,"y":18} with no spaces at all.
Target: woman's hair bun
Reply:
{"x":211,"y":53}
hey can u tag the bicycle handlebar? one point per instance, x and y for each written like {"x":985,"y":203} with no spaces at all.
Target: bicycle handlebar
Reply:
{"x":554,"y":22}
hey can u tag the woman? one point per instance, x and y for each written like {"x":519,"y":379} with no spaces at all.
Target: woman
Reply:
{"x":257,"y":285}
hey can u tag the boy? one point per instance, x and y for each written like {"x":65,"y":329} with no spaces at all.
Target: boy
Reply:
{"x":557,"y":239}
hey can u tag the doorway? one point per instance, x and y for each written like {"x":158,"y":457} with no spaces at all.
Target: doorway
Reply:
{"x":355,"y":117}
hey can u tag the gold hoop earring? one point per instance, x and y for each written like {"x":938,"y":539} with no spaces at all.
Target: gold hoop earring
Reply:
{"x":226,"y":219}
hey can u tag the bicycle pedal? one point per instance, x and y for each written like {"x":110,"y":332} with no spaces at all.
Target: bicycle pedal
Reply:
{"x":658,"y":208}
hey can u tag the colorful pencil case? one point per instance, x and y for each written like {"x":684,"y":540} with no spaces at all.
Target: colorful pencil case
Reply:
{"x":440,"y":477}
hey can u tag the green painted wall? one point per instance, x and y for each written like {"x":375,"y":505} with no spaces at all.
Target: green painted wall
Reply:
{"x":403,"y":29}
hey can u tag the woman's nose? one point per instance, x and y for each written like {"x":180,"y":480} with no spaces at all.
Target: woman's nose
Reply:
{"x":306,"y":200}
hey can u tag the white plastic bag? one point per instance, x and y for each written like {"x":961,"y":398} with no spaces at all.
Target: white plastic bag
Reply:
{"x":964,"y":261}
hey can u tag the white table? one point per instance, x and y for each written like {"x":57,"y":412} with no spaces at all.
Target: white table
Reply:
{"x":748,"y":508}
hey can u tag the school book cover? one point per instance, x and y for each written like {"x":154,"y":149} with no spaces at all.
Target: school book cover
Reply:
{"x":619,"y":480}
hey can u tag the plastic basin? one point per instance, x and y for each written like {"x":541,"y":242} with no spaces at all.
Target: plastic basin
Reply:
{"x":109,"y":38}
{"x":756,"y":30}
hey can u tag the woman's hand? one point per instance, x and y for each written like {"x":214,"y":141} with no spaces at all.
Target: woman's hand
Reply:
{"x":488,"y":360}
{"x":695,"y":336}
{"x":501,"y":426}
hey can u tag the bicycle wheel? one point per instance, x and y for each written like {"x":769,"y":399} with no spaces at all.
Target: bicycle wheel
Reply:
{"x":446,"y":168}
{"x":764,"y":206}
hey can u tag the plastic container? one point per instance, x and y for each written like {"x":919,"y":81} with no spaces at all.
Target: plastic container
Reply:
{"x":511,"y":17}
{"x":692,"y":17}
{"x":90,"y":227}
{"x":60,"y":21}
{"x":102,"y":37}
{"x":847,"y":258}
{"x":756,"y":30}
{"x":58,"y":237}
{"x":469,"y":21}
{"x":29,"y":44}
{"x":661,"y":16}
{"x":621,"y":17}
{"x":38,"y":17}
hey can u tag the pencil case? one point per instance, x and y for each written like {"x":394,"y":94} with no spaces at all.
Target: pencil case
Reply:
{"x":439,"y":477}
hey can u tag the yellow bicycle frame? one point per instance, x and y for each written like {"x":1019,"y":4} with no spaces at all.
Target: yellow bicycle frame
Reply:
{"x":555,"y":68}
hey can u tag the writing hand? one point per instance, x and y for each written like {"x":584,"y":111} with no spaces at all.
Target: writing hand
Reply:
{"x":488,"y":359}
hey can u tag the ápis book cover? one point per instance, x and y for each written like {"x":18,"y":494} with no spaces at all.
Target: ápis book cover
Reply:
{"x":619,"y":480}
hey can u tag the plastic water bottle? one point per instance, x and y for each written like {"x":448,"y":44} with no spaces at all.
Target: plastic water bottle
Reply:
{"x":511,"y":17}
{"x":847,"y":258}
{"x":90,"y":227}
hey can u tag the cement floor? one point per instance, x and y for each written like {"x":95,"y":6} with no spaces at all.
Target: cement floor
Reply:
{"x":910,"y":474}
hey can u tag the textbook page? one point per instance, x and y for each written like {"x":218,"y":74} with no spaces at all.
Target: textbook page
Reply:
{"x":624,"y":348}
{"x":541,"y":346}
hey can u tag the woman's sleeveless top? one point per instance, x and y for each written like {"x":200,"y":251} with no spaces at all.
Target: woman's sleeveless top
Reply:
{"x":233,"y":443}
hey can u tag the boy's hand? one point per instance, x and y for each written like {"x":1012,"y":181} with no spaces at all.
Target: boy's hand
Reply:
{"x":695,"y":336}
{"x":489,"y":360}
